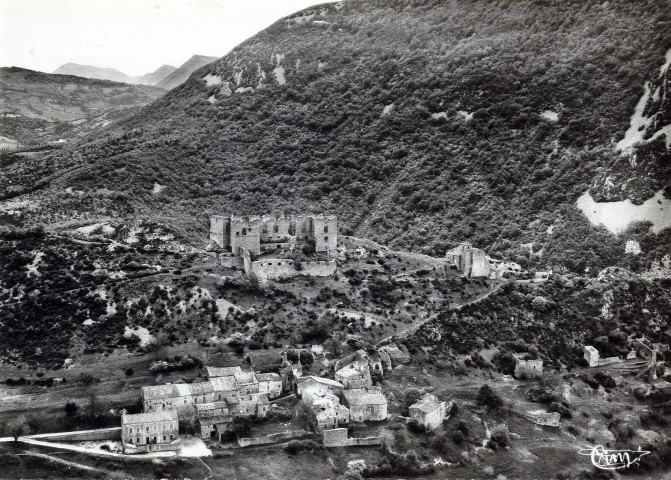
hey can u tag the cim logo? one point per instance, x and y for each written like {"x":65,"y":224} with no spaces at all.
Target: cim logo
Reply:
{"x":613,"y":459}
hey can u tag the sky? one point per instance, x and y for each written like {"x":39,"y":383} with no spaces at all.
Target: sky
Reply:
{"x":133,"y":36}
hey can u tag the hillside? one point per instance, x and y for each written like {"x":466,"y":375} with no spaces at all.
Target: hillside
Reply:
{"x":180,"y":75}
{"x":40,"y":107}
{"x":420,"y":123}
{"x":98,"y":73}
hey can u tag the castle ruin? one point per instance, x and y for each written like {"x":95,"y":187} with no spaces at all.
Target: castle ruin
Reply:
{"x":260,"y":234}
{"x":276,"y":246}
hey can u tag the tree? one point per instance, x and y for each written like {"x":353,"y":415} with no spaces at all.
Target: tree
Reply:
{"x":306,"y":417}
{"x":411,"y":396}
{"x":71,"y":409}
{"x":158,"y":344}
{"x":93,"y":400}
{"x":487,"y":397}
{"x":18,"y":427}
{"x":240,"y":426}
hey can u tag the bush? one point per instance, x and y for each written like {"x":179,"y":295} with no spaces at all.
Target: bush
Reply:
{"x":488,"y":398}
{"x":129,"y":372}
{"x":415,"y":427}
{"x":458,"y":437}
{"x":71,"y":409}
{"x":605,"y":380}
{"x":499,"y":437}
{"x":297,"y":446}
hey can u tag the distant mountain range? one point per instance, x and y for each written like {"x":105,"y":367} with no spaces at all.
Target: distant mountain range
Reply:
{"x":181,"y":74}
{"x":166,"y":76}
{"x":37,"y":107}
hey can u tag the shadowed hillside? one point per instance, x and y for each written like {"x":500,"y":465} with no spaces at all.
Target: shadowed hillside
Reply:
{"x":420,"y":123}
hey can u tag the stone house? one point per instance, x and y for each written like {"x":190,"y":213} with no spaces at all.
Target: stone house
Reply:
{"x":328,"y":410}
{"x":361,"y":357}
{"x":311,"y":386}
{"x":471,"y":262}
{"x":182,"y":396}
{"x":150,"y":432}
{"x":428,"y":411}
{"x":290,"y":375}
{"x":648,"y":350}
{"x":396,"y":355}
{"x":527,"y":368}
{"x":270,"y":384}
{"x":354,"y":375}
{"x":365,"y":404}
{"x":213,"y":418}
{"x":591,"y":354}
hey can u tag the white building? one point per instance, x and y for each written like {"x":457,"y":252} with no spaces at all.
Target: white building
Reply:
{"x":428,"y":411}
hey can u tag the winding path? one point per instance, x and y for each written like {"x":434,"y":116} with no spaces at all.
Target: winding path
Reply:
{"x":406,"y":332}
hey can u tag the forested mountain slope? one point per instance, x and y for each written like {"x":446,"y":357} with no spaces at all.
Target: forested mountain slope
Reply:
{"x":420,"y":123}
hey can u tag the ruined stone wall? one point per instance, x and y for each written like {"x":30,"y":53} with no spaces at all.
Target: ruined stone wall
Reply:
{"x":113,"y":433}
{"x":608,"y":360}
{"x":219,"y":230}
{"x":302,"y":226}
{"x":245,"y":233}
{"x":325,"y":233}
{"x":247,"y":261}
{"x":274,"y":268}
{"x":337,"y":437}
{"x":530,"y":368}
{"x":230,"y":261}
{"x":480,"y":264}
{"x":272,"y":438}
{"x":275,"y":229}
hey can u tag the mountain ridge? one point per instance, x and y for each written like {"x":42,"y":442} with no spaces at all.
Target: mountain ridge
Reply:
{"x":181,"y":74}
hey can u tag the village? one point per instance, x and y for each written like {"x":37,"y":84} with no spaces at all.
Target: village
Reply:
{"x":352,"y":398}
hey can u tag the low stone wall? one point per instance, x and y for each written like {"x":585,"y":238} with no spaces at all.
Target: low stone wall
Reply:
{"x":230,"y":261}
{"x":113,"y":433}
{"x":609,"y":360}
{"x":337,"y":437}
{"x":130,"y":449}
{"x":272,"y":438}
{"x":269,"y":247}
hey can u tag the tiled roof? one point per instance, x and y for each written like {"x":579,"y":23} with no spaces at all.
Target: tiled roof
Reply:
{"x":353,"y":369}
{"x":428,"y":403}
{"x":160,"y":416}
{"x":298,"y":367}
{"x":159,"y":391}
{"x":268,"y":377}
{"x":322,"y":380}
{"x":213,"y":372}
{"x":221,"y":384}
{"x":200,"y":388}
{"x":245,"y":377}
{"x":365,"y":396}
{"x":219,"y":419}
